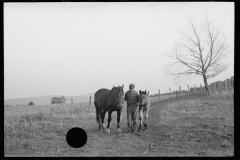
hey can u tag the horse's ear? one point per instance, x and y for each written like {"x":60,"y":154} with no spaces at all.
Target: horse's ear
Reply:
{"x":122,"y":86}
{"x":139,"y":91}
{"x":148,"y":92}
{"x":145,"y":91}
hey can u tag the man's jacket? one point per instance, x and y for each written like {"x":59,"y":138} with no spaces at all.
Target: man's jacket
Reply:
{"x":132,"y":98}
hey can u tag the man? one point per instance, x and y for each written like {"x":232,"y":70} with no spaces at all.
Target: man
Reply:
{"x":132,"y":97}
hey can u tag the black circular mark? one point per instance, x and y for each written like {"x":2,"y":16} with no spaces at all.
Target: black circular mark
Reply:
{"x":76,"y":137}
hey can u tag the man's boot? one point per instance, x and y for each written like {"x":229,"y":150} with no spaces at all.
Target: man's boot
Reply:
{"x":134,"y":127}
{"x":145,"y":126}
{"x":128,"y":127}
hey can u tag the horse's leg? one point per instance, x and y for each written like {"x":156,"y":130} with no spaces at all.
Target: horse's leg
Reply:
{"x":109,"y":120}
{"x":119,"y":111}
{"x":146,"y":117}
{"x":140,"y":118}
{"x":102,"y":117}
{"x":98,"y":115}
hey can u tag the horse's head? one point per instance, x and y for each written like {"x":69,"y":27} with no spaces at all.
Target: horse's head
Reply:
{"x":143,"y":97}
{"x":118,"y":96}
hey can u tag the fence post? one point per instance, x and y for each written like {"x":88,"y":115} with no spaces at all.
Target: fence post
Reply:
{"x":89,"y":102}
{"x":230,"y":85}
{"x":159,"y":95}
{"x":170,"y":91}
{"x":219,"y":86}
{"x":71,"y":102}
{"x":226,"y":86}
{"x":194,"y":88}
{"x":180,"y":90}
{"x":188,"y":88}
{"x":214,"y":88}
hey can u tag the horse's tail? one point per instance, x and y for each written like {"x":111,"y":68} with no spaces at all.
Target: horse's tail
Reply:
{"x":97,"y":109}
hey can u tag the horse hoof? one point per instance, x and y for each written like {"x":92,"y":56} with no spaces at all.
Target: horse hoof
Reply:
{"x":104,"y":126}
{"x":133,"y":131}
{"x":119,"y":130}
{"x":140,"y":128}
{"x":107,"y":130}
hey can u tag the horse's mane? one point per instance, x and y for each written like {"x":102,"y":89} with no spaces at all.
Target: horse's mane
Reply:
{"x":144,"y":94}
{"x":113,"y":90}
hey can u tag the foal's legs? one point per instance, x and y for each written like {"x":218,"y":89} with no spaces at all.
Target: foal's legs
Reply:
{"x":140,"y":118}
{"x":145,"y":117}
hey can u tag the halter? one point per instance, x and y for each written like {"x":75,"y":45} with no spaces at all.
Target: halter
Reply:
{"x":140,"y":103}
{"x":117,"y":100}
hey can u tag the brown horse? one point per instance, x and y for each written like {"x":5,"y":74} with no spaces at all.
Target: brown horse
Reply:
{"x":144,"y":105}
{"x":106,"y":100}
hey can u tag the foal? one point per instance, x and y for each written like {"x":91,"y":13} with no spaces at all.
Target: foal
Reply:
{"x":143,"y":109}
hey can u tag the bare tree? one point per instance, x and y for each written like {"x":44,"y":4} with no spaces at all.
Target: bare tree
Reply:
{"x":200,"y":51}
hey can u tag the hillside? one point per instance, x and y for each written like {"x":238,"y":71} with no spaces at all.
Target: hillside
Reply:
{"x":192,"y":126}
{"x":45,"y":100}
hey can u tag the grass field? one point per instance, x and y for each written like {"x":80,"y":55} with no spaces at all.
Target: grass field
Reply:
{"x":192,"y":125}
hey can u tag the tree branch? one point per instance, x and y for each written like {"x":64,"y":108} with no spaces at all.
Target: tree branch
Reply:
{"x":185,"y":63}
{"x":199,"y":53}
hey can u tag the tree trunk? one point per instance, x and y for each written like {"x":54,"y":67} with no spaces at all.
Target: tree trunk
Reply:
{"x":205,"y":82}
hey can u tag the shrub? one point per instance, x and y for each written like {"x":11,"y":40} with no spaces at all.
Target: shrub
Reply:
{"x":31,"y":103}
{"x":58,"y":100}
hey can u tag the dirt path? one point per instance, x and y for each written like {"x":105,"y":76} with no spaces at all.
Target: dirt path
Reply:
{"x":178,"y":131}
{"x":125,"y":144}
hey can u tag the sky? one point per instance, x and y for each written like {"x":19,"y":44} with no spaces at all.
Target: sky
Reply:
{"x":77,"y":48}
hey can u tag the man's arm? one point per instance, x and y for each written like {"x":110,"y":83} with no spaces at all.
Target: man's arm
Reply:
{"x":125,"y":98}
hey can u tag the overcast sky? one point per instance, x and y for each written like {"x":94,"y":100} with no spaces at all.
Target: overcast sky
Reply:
{"x":77,"y":48}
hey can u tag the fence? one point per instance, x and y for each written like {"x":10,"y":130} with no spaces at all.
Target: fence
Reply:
{"x":216,"y":87}
{"x":223,"y":86}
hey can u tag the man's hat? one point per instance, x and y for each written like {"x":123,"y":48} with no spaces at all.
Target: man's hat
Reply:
{"x":131,"y":86}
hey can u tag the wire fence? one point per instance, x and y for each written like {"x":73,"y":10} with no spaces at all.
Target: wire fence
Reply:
{"x":214,"y":88}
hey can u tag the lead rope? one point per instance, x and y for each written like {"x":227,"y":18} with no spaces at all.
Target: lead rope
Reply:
{"x":134,"y":120}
